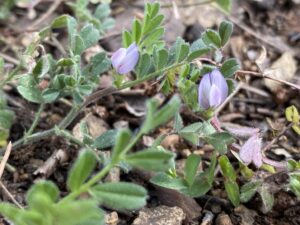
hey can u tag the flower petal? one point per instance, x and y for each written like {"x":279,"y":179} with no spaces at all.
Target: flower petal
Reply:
{"x":118,"y":57}
{"x":130,"y":61}
{"x":279,"y":165}
{"x":218,"y":79}
{"x":257,"y":155}
{"x":251,"y":151}
{"x":246,"y":152}
{"x":132,"y":47}
{"x":203,"y":91}
{"x":215,"y":96}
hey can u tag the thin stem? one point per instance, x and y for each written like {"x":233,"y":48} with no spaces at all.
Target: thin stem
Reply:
{"x":85,"y":187}
{"x":67,"y":135}
{"x":188,"y":4}
{"x":150,"y":76}
{"x":11,"y":75}
{"x":35,"y":121}
{"x":262,"y":75}
{"x":274,"y":140}
{"x":93,"y":97}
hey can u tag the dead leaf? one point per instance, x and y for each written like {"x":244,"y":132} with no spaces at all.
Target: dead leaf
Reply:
{"x":96,"y":126}
{"x":284,"y":69}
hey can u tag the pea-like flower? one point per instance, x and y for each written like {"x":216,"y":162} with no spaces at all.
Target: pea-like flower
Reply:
{"x":213,"y":90}
{"x":251,"y":151}
{"x":124,"y":60}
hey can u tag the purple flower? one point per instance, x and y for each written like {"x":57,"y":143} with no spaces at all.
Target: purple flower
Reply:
{"x":124,"y":60}
{"x":251,"y":151}
{"x":213,"y":90}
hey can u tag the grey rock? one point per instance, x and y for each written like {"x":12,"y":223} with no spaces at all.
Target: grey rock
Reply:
{"x":161,"y":215}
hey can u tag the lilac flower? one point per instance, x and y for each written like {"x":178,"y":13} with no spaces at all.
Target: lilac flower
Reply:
{"x":124,"y":60}
{"x":213,"y":90}
{"x":251,"y":151}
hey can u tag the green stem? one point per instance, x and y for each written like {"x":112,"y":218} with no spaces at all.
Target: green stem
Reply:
{"x":11,"y":75}
{"x":150,"y":76}
{"x":76,"y":109}
{"x":85,"y":187}
{"x":35,"y":121}
{"x":40,"y":135}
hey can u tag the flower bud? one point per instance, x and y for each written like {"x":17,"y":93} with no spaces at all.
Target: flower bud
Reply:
{"x":213,"y":90}
{"x":124,"y":60}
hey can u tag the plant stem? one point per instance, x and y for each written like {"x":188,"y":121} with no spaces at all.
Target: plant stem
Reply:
{"x":35,"y":121}
{"x":188,"y":5}
{"x":10,"y":75}
{"x":85,"y":187}
{"x":93,"y":97}
{"x":40,"y":135}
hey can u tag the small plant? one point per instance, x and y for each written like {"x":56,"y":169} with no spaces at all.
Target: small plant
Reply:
{"x":145,"y":57}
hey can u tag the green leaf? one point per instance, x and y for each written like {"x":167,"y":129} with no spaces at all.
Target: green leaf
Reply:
{"x":220,"y":141}
{"x":29,"y":91}
{"x":227,"y":169}
{"x":153,"y":37}
{"x":42,"y":67}
{"x":6,"y":118}
{"x":200,"y":186}
{"x":151,"y":159}
{"x":106,"y":140}
{"x":108,"y":23}
{"x":294,"y":184}
{"x":127,"y":38}
{"x":161,"y":58}
{"x":98,"y":65}
{"x":153,"y":23}
{"x":225,"y":5}
{"x":232,"y":190}
{"x":67,"y":62}
{"x":248,"y":190}
{"x":166,"y":181}
{"x":90,"y":35}
{"x":178,"y":123}
{"x":212,"y":38}
{"x":102,"y":11}
{"x":183,"y":52}
{"x":136,"y":31}
{"x":292,"y":114}
{"x":78,"y":45}
{"x":156,"y":117}
{"x":44,"y":187}
{"x":60,"y":21}
{"x":229,"y":67}
{"x":72,"y":31}
{"x":85,"y":89}
{"x":154,"y":9}
{"x":79,"y":212}
{"x":266,"y":197}
{"x":82,"y":169}
{"x":191,"y":167}
{"x":29,"y":217}
{"x":122,"y":140}
{"x":9,"y":211}
{"x":192,"y":132}
{"x":203,"y":182}
{"x":225,"y":31}
{"x":120,"y":195}
{"x":144,"y":65}
{"x":50,"y":95}
{"x":197,"y":49}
